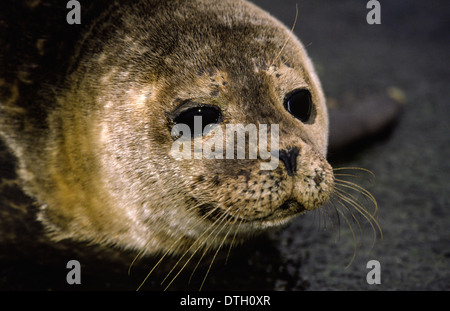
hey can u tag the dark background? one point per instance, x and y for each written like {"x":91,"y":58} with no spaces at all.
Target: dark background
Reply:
{"x":409,"y":51}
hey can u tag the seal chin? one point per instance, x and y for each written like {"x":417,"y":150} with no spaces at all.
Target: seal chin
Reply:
{"x":283,"y":213}
{"x":281,"y":216}
{"x":292,"y":206}
{"x":286,"y":211}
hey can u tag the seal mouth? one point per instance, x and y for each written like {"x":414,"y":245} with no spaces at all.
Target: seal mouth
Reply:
{"x":288,"y":209}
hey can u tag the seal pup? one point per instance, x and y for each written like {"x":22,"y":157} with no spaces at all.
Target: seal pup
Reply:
{"x":97,"y":157}
{"x":92,"y":130}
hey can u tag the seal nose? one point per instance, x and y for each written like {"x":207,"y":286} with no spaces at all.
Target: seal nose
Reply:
{"x":289,"y":158}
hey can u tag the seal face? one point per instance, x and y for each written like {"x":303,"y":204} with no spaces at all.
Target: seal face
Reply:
{"x":105,"y":171}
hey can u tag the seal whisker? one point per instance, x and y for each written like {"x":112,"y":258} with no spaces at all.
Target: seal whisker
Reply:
{"x":346,"y":175}
{"x":335,"y":227}
{"x":287,"y":40}
{"x":340,"y":189}
{"x":233,"y":240}
{"x":364,"y":192}
{"x":170,"y":249}
{"x":198,"y":242}
{"x":322,"y":215}
{"x":206,"y":250}
{"x":139,"y":255}
{"x":365,"y":214}
{"x":348,"y":205}
{"x":355,"y":168}
{"x":200,"y":245}
{"x":359,"y":207}
{"x":344,"y":201}
{"x":353,"y":234}
{"x":215,"y":254}
{"x":222,"y":243}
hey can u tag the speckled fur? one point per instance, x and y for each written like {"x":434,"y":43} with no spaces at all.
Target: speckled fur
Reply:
{"x":94,"y":149}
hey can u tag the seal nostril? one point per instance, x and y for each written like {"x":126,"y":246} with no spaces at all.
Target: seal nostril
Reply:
{"x":289,"y":158}
{"x":318,"y":179}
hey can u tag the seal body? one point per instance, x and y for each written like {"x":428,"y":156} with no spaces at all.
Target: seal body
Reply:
{"x":94,"y":140}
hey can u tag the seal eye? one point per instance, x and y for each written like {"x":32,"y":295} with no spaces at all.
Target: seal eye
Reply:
{"x":299,"y":104}
{"x":209,"y":115}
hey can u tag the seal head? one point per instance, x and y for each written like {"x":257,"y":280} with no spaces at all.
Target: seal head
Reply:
{"x":106,"y":169}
